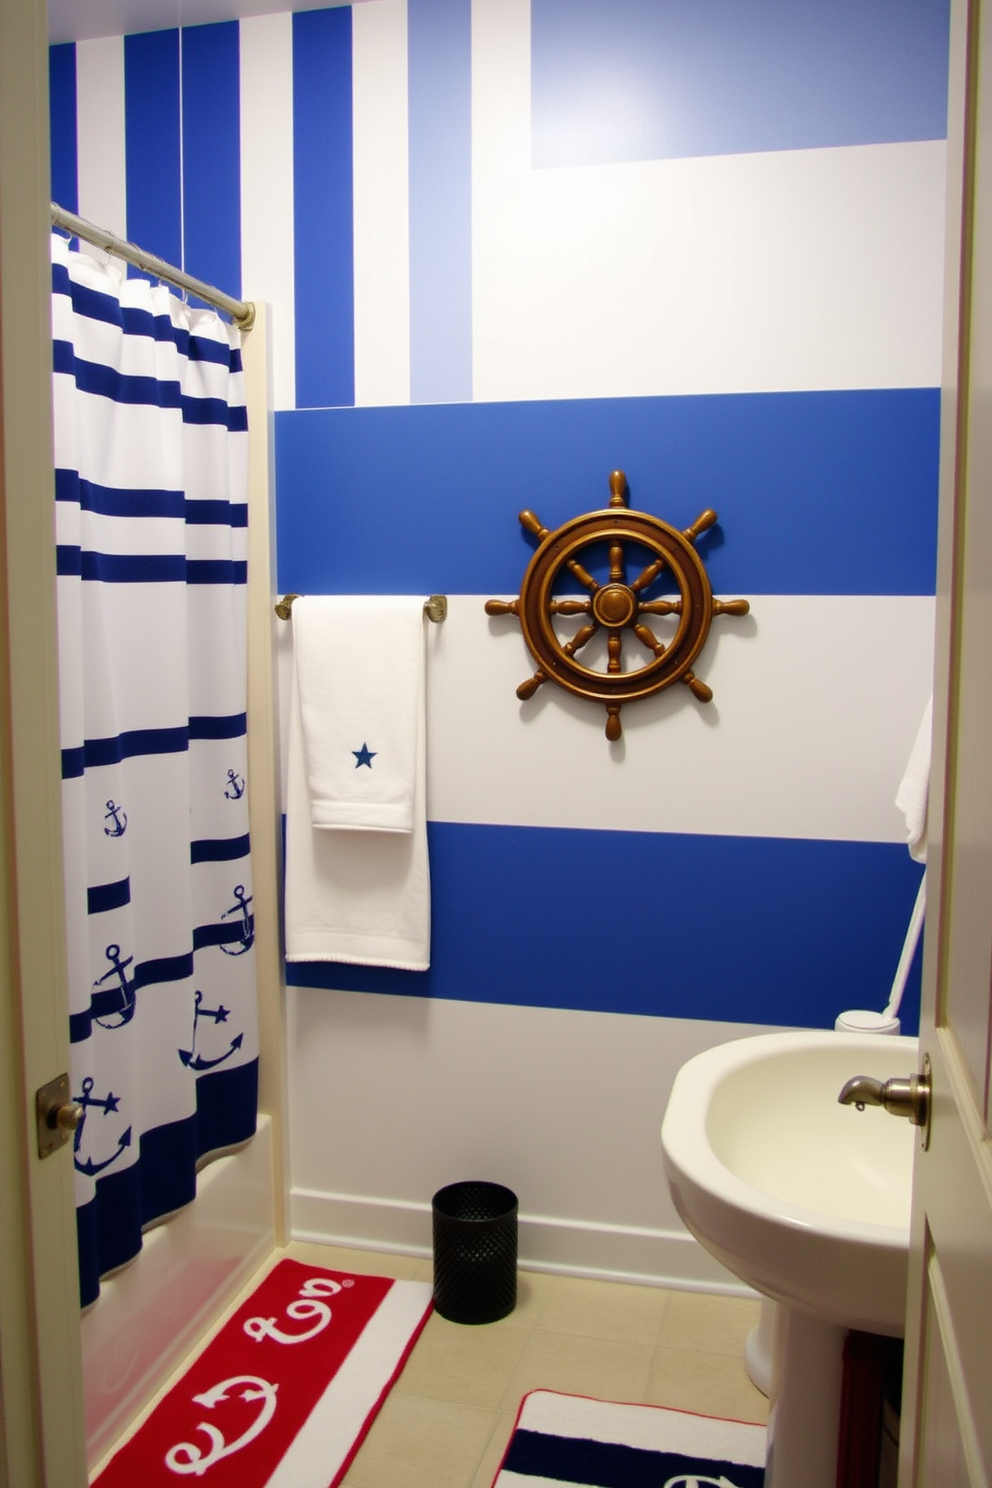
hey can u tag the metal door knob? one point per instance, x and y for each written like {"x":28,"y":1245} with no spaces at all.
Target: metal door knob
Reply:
{"x":66,"y":1117}
{"x":57,"y":1115}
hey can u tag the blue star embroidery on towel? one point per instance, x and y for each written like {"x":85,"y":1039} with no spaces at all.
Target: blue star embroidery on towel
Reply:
{"x":364,"y":756}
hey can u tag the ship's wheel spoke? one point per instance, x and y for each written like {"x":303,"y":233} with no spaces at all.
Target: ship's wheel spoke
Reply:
{"x":570,"y":606}
{"x":698,"y":688}
{"x":618,"y":568}
{"x":581,"y":638}
{"x":614,"y":650}
{"x":527,"y":689}
{"x":660,"y":607}
{"x":649,"y":639}
{"x":648,"y":575}
{"x":583,"y":575}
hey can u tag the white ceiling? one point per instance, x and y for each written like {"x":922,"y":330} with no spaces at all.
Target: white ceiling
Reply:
{"x":79,"y":20}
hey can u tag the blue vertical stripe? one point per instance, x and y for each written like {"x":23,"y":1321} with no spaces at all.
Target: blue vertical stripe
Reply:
{"x":212,"y":154}
{"x":440,"y":94}
{"x":323,"y":209}
{"x":62,"y":124}
{"x":152,"y":143}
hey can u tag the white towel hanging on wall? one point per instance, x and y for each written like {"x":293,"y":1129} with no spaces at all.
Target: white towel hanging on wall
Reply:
{"x":357,"y":879}
{"x":913,"y":795}
{"x":359,"y":664}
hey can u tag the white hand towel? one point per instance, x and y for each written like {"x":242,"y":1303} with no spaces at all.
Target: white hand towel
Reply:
{"x":359,"y":666}
{"x":913,"y":795}
{"x":357,"y":881}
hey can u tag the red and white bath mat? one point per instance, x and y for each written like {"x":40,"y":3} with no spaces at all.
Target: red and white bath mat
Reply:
{"x":283,"y":1396}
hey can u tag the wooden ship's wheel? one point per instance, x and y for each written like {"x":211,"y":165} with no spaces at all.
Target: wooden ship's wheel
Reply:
{"x":617,"y":605}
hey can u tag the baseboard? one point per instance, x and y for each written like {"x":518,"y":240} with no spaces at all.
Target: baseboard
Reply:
{"x":150,"y":1315}
{"x":666,"y":1258}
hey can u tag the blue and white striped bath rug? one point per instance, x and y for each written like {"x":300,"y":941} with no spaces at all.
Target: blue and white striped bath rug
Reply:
{"x":569,"y":1441}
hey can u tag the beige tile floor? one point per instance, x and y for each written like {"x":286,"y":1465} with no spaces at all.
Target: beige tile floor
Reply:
{"x":447,"y":1420}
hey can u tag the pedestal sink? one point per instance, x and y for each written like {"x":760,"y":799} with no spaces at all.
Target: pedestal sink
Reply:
{"x":806,"y":1200}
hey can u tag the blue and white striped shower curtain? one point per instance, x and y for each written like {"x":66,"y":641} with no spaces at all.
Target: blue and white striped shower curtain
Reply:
{"x":151,"y":519}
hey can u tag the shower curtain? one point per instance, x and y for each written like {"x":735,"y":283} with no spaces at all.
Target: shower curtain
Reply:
{"x":151,"y":437}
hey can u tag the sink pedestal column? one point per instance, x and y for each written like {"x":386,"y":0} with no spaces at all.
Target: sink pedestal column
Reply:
{"x":804,"y":1414}
{"x":759,"y":1347}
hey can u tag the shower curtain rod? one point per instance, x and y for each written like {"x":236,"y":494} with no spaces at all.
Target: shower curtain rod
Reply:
{"x":242,"y":312}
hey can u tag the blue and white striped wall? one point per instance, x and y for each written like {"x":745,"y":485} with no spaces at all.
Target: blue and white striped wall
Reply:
{"x":691,"y":211}
{"x":511,"y":245}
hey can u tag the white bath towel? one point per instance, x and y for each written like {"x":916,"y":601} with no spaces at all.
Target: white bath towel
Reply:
{"x":357,"y":882}
{"x":913,"y":795}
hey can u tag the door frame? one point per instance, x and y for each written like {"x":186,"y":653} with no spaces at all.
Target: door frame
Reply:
{"x":956,"y":1139}
{"x":42,"y":1431}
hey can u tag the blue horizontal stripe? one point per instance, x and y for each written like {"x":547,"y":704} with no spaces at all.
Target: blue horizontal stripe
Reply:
{"x":110,"y":751}
{"x":205,"y":349}
{"x":93,"y":304}
{"x":216,"y":571}
{"x":737,"y":929}
{"x":61,"y":283}
{"x":215,"y":411}
{"x":109,"y":1227}
{"x":105,"y":1002}
{"x":223,"y":933}
{"x":146,"y":568}
{"x":817,"y":493}
{"x":163,"y":969}
{"x":113,"y":501}
{"x":63,"y":357}
{"x":149,"y":392}
{"x":103,"y":897}
{"x":133,"y":742}
{"x":717,"y":77}
{"x":219,"y":849}
{"x":73,"y":762}
{"x":216,"y":513}
{"x":102,"y":1005}
{"x":68,"y":561}
{"x":226,"y":1106}
{"x":120,"y":568}
{"x":219,"y":726}
{"x":121,"y":387}
{"x":576,"y":1460}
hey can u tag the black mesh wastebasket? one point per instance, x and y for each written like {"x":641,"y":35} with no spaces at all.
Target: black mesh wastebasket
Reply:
{"x":475,"y":1252}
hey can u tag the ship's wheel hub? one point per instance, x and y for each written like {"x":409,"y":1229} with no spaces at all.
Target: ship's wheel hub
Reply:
{"x":614,"y":605}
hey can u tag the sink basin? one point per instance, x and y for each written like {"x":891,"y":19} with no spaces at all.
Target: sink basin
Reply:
{"x":805,"y":1199}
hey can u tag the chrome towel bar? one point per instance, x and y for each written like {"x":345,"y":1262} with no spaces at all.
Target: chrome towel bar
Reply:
{"x":435,"y":608}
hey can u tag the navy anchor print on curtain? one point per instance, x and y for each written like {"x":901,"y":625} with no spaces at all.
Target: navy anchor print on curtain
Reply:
{"x":151,"y":519}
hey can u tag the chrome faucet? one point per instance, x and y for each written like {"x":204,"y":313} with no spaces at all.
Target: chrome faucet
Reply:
{"x":908,"y":1097}
{"x":862,"y":1091}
